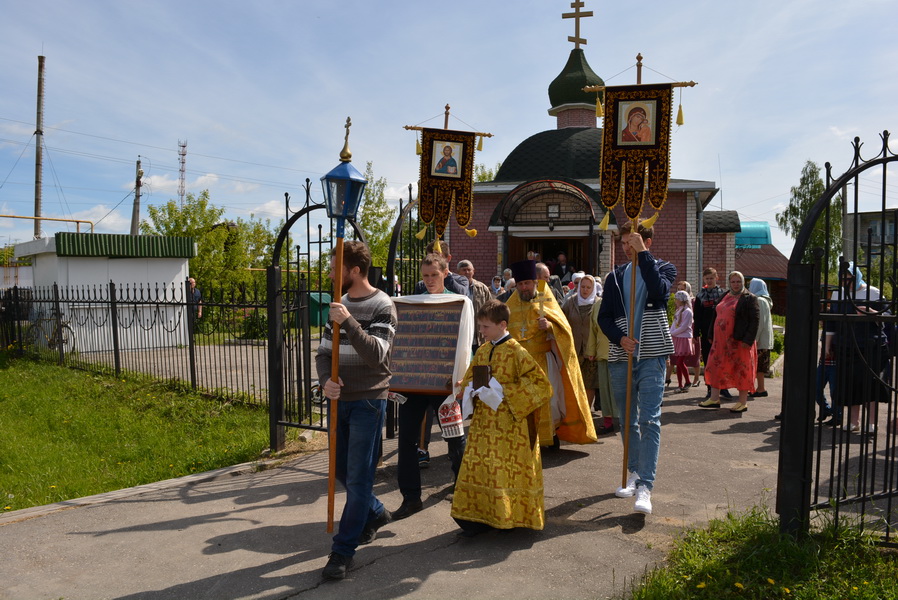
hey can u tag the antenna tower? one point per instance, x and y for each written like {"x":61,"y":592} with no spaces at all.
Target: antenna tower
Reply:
{"x":182,"y":161}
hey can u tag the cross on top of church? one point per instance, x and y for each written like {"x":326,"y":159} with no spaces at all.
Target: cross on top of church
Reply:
{"x":577,"y":15}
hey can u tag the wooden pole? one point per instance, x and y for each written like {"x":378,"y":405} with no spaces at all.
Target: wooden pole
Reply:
{"x":335,"y":377}
{"x":631,"y":324}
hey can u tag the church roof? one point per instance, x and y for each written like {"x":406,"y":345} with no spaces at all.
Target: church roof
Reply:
{"x":766,"y":262}
{"x":567,"y":88}
{"x":573,"y":152}
{"x":721,"y":221}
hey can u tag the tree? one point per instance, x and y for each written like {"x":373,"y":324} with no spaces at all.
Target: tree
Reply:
{"x":376,"y":218}
{"x":225,"y":249}
{"x":484,"y":173}
{"x":802,"y":197}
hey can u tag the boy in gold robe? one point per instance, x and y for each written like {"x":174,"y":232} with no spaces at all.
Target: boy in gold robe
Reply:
{"x":500,"y":484}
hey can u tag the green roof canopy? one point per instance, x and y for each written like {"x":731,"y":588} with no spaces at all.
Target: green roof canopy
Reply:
{"x":111,"y":245}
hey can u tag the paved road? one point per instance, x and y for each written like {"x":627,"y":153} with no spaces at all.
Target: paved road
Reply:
{"x":243,"y":534}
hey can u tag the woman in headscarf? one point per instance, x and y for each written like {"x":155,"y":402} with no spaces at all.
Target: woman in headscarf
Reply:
{"x":578,"y":308}
{"x":764,"y":339}
{"x":734,"y":358}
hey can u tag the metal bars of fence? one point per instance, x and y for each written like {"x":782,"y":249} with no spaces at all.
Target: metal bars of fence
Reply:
{"x":146,"y":330}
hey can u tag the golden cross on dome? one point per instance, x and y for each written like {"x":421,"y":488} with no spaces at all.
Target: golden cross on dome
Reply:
{"x":577,"y":15}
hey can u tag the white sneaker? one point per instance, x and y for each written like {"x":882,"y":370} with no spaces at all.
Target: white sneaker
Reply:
{"x":643,"y":500}
{"x":630,"y":488}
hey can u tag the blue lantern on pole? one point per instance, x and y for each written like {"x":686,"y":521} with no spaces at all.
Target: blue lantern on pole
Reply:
{"x":343,"y":187}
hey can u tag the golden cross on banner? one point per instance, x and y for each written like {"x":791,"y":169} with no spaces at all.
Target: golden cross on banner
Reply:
{"x":577,"y":15}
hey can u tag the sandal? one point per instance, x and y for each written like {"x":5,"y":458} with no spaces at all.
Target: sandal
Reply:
{"x":696,"y":383}
{"x":739,"y":408}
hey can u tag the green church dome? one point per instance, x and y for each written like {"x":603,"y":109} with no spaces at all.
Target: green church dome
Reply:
{"x":567,"y":88}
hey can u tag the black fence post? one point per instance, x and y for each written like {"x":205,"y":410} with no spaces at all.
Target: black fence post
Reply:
{"x":57,"y":324}
{"x":191,"y":330}
{"x":794,"y":478}
{"x":276,"y":431}
{"x":116,"y":348}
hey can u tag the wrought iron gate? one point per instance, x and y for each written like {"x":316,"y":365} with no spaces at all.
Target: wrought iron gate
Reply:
{"x":298,"y":302}
{"x":823,"y":466}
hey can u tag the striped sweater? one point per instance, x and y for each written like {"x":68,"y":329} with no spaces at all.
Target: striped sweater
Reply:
{"x":366,"y":339}
{"x":654,"y":331}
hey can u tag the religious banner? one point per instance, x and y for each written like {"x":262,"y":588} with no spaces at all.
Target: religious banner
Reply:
{"x":636,"y":146}
{"x":447,"y":177}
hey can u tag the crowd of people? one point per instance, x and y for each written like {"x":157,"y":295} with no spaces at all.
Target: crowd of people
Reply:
{"x":552,"y":355}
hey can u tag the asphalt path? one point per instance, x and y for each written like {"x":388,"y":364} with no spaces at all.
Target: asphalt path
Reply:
{"x":247,"y":533}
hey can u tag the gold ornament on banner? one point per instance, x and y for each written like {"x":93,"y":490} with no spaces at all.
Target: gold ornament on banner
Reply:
{"x":680,"y":120}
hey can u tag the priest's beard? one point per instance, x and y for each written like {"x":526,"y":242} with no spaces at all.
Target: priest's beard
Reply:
{"x":527,"y":296}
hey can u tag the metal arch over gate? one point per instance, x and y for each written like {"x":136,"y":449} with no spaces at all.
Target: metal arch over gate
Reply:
{"x":295,"y":305}
{"x":823,"y":466}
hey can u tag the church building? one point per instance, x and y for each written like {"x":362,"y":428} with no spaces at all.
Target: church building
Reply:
{"x":545,"y":198}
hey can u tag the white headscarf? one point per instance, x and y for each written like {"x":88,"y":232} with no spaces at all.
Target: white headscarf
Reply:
{"x":591,"y":299}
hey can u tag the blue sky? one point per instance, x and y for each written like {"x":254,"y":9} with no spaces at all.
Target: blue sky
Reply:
{"x":261,"y":90}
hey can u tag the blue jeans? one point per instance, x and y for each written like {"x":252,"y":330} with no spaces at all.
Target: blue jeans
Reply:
{"x":826,"y":375}
{"x":645,"y":413}
{"x":359,"y":430}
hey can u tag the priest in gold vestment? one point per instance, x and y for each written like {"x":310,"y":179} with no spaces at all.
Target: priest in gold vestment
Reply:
{"x":539,"y":325}
{"x":500,"y":483}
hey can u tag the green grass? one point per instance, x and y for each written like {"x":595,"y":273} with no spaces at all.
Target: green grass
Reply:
{"x":66,"y":433}
{"x":745,"y":556}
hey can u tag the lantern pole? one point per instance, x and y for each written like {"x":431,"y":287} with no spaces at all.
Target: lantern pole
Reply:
{"x":343,"y":187}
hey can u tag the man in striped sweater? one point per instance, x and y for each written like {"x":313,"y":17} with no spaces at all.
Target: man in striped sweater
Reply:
{"x":649,"y":347}
{"x":367,"y":320}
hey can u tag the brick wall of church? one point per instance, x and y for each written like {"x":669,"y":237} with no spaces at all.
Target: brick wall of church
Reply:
{"x":577,"y":117}
{"x":481,"y":250}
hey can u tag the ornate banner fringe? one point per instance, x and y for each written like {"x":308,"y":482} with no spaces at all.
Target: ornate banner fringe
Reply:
{"x":447,"y":177}
{"x":636,"y":146}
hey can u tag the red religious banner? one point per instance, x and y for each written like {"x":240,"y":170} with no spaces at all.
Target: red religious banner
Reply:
{"x":447,"y":177}
{"x":636,"y":146}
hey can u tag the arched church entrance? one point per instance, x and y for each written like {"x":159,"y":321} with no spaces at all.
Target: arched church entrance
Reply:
{"x":549,"y":217}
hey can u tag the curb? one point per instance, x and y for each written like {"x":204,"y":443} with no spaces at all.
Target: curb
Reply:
{"x":192,"y":479}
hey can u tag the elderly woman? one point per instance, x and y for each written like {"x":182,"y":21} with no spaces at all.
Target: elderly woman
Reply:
{"x":580,"y":313}
{"x":764,"y":338}
{"x":734,"y":357}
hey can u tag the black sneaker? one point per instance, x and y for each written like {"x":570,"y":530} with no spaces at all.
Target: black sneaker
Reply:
{"x":423,"y":459}
{"x":337,"y":565}
{"x":407,"y":509}
{"x":370,"y":530}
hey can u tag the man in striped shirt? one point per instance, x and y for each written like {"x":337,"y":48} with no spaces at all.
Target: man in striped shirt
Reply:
{"x":649,"y":347}
{"x":367,"y":320}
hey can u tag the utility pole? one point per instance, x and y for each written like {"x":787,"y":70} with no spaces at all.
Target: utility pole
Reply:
{"x":39,"y":148}
{"x":135,"y":213}
{"x":182,"y":161}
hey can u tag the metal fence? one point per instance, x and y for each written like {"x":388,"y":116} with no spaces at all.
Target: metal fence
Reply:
{"x":156,"y":331}
{"x":843,"y":334}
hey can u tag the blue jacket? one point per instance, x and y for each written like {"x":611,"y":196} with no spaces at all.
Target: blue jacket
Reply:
{"x":654,"y":336}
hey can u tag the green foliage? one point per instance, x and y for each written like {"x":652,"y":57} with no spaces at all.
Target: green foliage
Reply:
{"x":802,"y":198}
{"x":225,"y":249}
{"x":746,"y":556}
{"x":376,"y":218}
{"x":66,"y":433}
{"x":483,"y":173}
